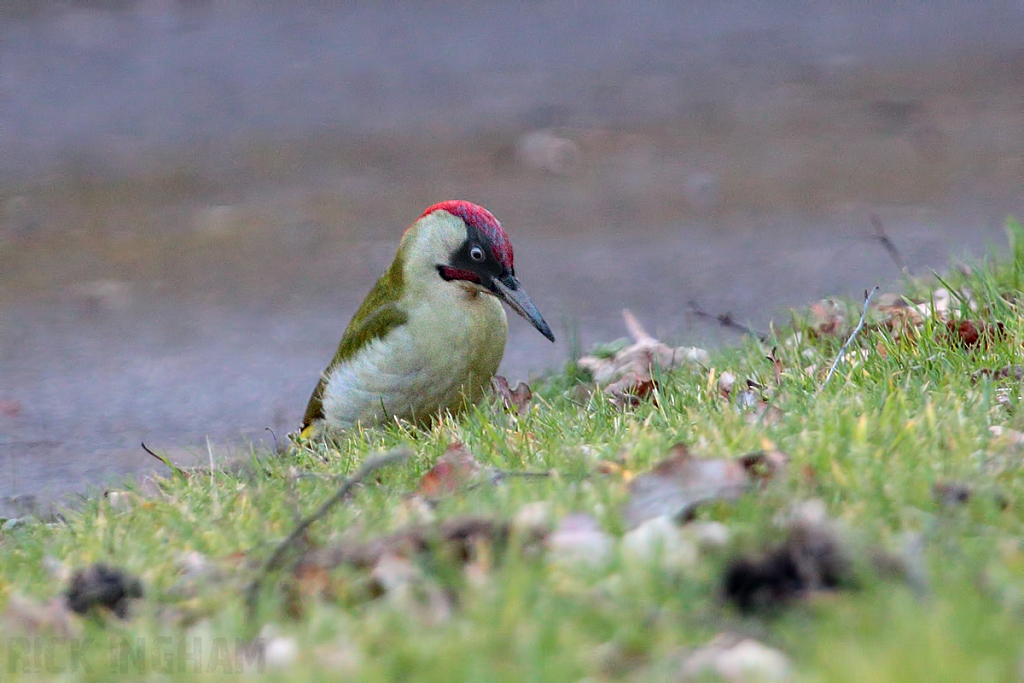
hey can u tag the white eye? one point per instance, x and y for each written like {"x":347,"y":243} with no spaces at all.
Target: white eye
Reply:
{"x":476,"y":253}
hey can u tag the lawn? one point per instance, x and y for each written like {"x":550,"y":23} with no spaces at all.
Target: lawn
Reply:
{"x":893,"y":490}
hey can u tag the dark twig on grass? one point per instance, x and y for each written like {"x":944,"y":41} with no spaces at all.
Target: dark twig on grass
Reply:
{"x":177,"y":470}
{"x":277,"y":447}
{"x":727,"y":321}
{"x":776,"y":365}
{"x":498,"y":476}
{"x":276,"y":561}
{"x":883,"y":238}
{"x":860,"y":324}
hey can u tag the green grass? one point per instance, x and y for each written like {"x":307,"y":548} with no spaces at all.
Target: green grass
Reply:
{"x":902,"y":417}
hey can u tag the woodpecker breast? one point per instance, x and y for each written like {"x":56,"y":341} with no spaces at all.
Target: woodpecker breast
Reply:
{"x":441,"y":360}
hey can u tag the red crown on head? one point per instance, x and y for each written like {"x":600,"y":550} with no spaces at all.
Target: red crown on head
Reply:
{"x":484,"y":221}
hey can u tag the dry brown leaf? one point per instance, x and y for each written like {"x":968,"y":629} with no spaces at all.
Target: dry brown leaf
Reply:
{"x":900,"y":317}
{"x":974,"y":333}
{"x":457,"y":537}
{"x":827,"y":318}
{"x":455,"y":469}
{"x":393,"y":572}
{"x":579,"y":540}
{"x":764,"y":465}
{"x":661,"y":539}
{"x":1015,"y":372}
{"x":630,"y":389}
{"x":680,"y":483}
{"x":765,"y":413}
{"x":612,"y":468}
{"x":517,"y":399}
{"x":150,"y":486}
{"x":725,"y":384}
{"x":627,"y":376}
{"x":414,"y":509}
{"x":313,"y":581}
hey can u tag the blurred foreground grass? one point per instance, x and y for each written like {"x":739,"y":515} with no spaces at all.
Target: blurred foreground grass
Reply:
{"x":907,"y":411}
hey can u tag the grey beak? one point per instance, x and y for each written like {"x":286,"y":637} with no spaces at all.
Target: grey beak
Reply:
{"x":508,"y":289}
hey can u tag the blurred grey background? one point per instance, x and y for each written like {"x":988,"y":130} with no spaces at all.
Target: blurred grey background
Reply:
{"x":195,"y":194}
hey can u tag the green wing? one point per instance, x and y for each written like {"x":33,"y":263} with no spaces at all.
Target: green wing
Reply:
{"x":376,"y":317}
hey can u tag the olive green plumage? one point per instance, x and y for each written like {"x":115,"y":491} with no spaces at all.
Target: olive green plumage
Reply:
{"x":377,"y":315}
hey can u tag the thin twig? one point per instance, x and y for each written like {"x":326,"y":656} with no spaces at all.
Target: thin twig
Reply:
{"x":887,"y":244}
{"x":726,"y":320}
{"x":177,"y":470}
{"x":252,"y":592}
{"x":776,"y":365}
{"x":277,"y":447}
{"x":497,"y":476}
{"x":842,"y":350}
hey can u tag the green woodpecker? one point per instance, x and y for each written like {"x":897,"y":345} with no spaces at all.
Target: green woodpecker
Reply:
{"x":430,"y":334}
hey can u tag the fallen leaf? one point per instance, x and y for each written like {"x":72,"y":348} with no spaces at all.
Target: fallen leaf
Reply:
{"x":414,"y":509}
{"x":627,"y":375}
{"x":517,"y":399}
{"x":748,"y":398}
{"x":533,"y":518}
{"x":660,"y":539}
{"x":736,"y":659}
{"x":579,"y":540}
{"x":725,"y":384}
{"x":393,"y":572}
{"x":764,"y":465}
{"x":827,"y":318}
{"x":102,"y":586}
{"x":630,"y":389}
{"x":456,"y":537}
{"x":1006,"y":372}
{"x":314,"y":581}
{"x":409,"y":590}
{"x":150,"y":486}
{"x":764,"y":413}
{"x":899,"y":316}
{"x":973,"y":333}
{"x":709,"y":536}
{"x":680,"y":483}
{"x":940,"y":302}
{"x":454,"y":470}
{"x":195,"y":565}
{"x":119,"y":500}
{"x":614,"y":469}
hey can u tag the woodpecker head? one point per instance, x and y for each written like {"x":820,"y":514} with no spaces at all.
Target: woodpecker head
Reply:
{"x":464,"y":244}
